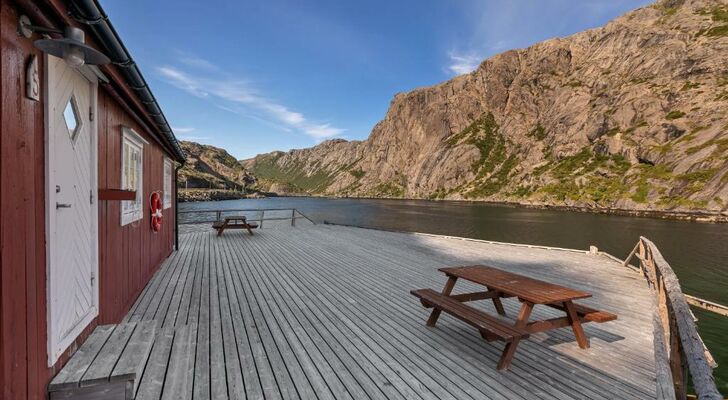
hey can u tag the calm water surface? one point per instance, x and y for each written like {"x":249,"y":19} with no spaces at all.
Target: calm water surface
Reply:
{"x":698,"y":252}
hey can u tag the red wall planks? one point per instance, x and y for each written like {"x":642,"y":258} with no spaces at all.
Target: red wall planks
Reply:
{"x":126,"y":269}
{"x":22,"y":211}
{"x":128,"y":255}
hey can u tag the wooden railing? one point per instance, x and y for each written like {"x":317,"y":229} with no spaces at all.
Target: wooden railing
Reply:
{"x":252,"y":215}
{"x":679,"y":349}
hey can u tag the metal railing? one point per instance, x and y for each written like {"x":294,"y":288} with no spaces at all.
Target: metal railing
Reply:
{"x":679,"y":349}
{"x":252,"y":215}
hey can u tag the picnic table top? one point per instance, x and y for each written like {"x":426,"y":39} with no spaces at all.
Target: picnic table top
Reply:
{"x":235,"y":218}
{"x":525,"y":288}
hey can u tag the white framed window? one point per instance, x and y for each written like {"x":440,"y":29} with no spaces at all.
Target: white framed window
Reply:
{"x":132,"y":172}
{"x":167,"y":183}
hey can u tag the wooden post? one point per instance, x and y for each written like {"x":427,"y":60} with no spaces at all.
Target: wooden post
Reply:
{"x":642,"y":257}
{"x":631,"y":254}
{"x":176,"y":206}
{"x":677,"y":364}
{"x":686,"y":352}
{"x":663,"y":310}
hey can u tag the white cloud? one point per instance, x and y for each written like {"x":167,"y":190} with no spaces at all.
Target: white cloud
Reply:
{"x":323,"y":131}
{"x":183,"y":81}
{"x":193,"y":138}
{"x":237,"y":96}
{"x":177,"y":129}
{"x":200,"y":63}
{"x":462,"y":64}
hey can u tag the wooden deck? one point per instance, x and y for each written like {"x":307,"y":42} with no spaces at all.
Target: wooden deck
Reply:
{"x":324,"y":312}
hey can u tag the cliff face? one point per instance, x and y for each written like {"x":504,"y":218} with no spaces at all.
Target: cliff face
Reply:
{"x":210,"y":167}
{"x":632,"y":115}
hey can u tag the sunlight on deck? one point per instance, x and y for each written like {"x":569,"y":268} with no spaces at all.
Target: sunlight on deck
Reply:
{"x":325,"y":312}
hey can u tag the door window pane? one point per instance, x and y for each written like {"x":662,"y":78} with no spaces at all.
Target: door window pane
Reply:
{"x":71,"y":117}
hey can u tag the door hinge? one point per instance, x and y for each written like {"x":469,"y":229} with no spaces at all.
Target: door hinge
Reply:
{"x":93,"y":278}
{"x":91,"y":114}
{"x":91,"y":196}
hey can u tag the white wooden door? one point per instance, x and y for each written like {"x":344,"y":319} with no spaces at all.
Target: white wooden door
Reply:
{"x":71,"y":200}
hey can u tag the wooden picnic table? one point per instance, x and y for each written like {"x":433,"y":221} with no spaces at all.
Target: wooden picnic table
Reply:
{"x":502,"y":284}
{"x":234,"y":222}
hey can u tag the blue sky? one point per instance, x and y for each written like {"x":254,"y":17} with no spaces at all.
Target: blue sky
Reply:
{"x":258,"y":76}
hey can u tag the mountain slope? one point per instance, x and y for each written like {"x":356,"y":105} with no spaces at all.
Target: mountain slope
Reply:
{"x":210,"y":167}
{"x":633,"y":115}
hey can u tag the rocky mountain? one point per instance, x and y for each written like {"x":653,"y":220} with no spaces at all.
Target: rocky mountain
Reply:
{"x":632,"y":115}
{"x":210,"y":167}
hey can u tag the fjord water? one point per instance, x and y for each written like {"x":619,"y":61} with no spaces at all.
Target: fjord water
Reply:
{"x":698,"y":252}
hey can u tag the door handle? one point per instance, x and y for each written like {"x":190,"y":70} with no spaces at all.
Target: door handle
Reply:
{"x":62,"y":205}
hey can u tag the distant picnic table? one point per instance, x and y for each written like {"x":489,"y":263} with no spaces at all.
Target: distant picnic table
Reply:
{"x":502,"y":284}
{"x":234,"y":222}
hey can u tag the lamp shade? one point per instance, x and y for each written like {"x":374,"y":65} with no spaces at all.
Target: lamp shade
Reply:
{"x":72,"y":48}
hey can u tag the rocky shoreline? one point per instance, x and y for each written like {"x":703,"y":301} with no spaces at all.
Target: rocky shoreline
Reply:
{"x":695,"y":216}
{"x":194,"y":195}
{"x":680,"y":215}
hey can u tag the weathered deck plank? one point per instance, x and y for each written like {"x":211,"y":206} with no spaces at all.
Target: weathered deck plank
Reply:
{"x":324,"y":313}
{"x":152,"y":383}
{"x":255,"y":369}
{"x":132,"y":361}
{"x":74,"y":370}
{"x":378,"y":279}
{"x":100,"y":369}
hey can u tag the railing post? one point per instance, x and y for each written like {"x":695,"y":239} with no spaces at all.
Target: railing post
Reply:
{"x":631,"y":254}
{"x":262,"y":217}
{"x":686,"y":353}
{"x":218,"y":215}
{"x":677,"y":363}
{"x":642,"y":258}
{"x":293,"y":217}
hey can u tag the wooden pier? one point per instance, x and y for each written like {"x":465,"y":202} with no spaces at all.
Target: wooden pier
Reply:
{"x":324,"y":312}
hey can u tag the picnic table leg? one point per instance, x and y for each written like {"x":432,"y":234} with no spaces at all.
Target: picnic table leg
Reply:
{"x":508,"y":352}
{"x":576,"y":325}
{"x":449,"y":285}
{"x":497,"y":303}
{"x":250,"y":231}
{"x":221,"y":229}
{"x":510,"y":349}
{"x":524,"y":314}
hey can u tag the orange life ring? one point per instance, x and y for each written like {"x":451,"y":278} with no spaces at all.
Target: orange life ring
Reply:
{"x":155,"y":204}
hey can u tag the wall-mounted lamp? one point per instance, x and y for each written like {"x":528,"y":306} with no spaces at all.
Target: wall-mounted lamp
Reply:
{"x":70,"y":47}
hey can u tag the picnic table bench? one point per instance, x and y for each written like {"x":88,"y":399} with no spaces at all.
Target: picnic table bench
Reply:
{"x":502,"y":284}
{"x":234,"y":222}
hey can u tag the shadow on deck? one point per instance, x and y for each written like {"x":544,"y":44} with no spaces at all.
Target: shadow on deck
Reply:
{"x":325,"y":312}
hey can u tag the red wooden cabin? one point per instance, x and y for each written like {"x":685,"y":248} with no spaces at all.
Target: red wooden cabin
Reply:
{"x":73,"y":253}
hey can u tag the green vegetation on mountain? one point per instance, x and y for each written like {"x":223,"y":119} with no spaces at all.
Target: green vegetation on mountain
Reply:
{"x":210,"y":167}
{"x":602,"y":119}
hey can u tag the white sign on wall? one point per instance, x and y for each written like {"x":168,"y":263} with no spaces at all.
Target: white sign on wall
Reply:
{"x":32,"y":83}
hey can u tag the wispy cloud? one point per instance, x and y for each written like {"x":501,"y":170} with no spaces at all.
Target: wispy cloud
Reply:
{"x":193,"y":138}
{"x":183,"y":133}
{"x":232,"y":94}
{"x":491,"y":27}
{"x":463,"y":63}
{"x":178,"y":129}
{"x":197,"y":62}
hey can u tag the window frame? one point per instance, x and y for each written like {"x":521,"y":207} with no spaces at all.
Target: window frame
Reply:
{"x":167,"y":186}
{"x":134,"y":140}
